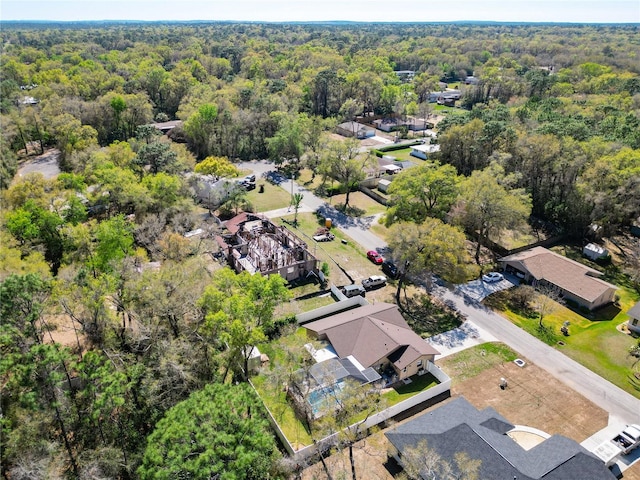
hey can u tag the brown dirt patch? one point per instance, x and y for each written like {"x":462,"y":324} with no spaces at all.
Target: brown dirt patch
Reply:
{"x":535,"y":399}
{"x":63,"y":331}
{"x":370,"y":456}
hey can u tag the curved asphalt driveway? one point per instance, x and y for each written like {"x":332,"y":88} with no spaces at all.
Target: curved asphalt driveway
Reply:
{"x":622,"y":406}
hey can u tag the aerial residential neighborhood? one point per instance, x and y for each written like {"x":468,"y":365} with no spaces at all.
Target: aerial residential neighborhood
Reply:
{"x":319,"y":250}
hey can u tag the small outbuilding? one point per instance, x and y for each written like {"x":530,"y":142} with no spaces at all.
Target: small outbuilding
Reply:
{"x":424,"y":151}
{"x":383,"y":185}
{"x":594,"y":251}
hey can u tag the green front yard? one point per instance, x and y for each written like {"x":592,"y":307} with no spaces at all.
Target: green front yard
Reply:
{"x":273,"y":197}
{"x":350,"y":256}
{"x":403,"y":155}
{"x":593,"y":341}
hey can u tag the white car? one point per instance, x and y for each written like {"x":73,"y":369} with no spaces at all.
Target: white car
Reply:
{"x":492,"y":277}
{"x":374,"y":281}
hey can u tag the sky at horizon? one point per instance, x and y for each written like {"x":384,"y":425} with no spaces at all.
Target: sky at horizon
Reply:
{"x":569,"y":11}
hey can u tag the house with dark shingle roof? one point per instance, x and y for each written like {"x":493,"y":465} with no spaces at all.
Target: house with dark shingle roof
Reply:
{"x":377,"y":337}
{"x":573,"y":280}
{"x":484,"y":435}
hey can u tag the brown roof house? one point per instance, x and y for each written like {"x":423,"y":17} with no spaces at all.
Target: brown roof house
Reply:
{"x":574,"y":281}
{"x":255,"y":244}
{"x":367,"y":346}
{"x":377,"y":337}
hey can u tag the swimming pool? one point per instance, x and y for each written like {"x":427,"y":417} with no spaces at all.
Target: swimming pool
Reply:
{"x":324,"y":398}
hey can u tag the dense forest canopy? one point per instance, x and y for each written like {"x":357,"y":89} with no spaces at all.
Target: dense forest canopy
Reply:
{"x":556,"y":111}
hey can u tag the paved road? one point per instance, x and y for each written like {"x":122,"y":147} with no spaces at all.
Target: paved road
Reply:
{"x":622,"y":407}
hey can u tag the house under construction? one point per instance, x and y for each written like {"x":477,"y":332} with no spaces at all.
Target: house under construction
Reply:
{"x":255,"y":244}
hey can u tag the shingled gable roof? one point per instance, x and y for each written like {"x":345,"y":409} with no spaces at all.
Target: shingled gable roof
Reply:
{"x":459,"y":427}
{"x":371,"y":333}
{"x":563,"y":272}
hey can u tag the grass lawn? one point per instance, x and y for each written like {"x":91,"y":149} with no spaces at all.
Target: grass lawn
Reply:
{"x":348,"y":255}
{"x":403,"y":155}
{"x":359,"y":201}
{"x":305,"y":179}
{"x":594,"y":340}
{"x":304,"y":304}
{"x":473,"y":361}
{"x":417,"y":385}
{"x":273,"y":198}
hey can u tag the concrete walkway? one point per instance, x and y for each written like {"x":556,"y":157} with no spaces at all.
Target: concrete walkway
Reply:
{"x":466,"y":335}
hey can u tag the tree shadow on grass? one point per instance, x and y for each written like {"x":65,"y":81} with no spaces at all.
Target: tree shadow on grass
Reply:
{"x":350,"y":210}
{"x":428,"y":316}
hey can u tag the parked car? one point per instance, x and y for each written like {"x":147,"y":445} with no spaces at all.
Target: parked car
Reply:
{"x":353,"y":290}
{"x":492,"y":277}
{"x":374,"y":281}
{"x":324,"y":237}
{"x":375,"y":257}
{"x":390,"y":269}
{"x":246,"y":184}
{"x":623,"y":443}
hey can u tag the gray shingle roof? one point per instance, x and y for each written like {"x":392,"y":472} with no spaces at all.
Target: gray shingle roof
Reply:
{"x":635,"y":311}
{"x":459,"y":427}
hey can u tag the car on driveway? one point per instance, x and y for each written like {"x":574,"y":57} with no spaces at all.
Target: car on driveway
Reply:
{"x":375,"y":257}
{"x":390,"y":269}
{"x":374,"y":281}
{"x":492,"y":277}
{"x":353,"y":290}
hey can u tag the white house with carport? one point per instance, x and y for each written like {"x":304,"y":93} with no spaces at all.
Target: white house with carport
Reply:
{"x":423,"y":151}
{"x":574,"y":281}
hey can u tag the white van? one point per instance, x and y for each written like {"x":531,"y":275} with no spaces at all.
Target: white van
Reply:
{"x":353,"y":291}
{"x":374,"y":281}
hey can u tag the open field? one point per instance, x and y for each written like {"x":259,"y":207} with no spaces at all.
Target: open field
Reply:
{"x":532,"y":398}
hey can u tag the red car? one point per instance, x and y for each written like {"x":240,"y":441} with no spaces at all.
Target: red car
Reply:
{"x":375,"y":257}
